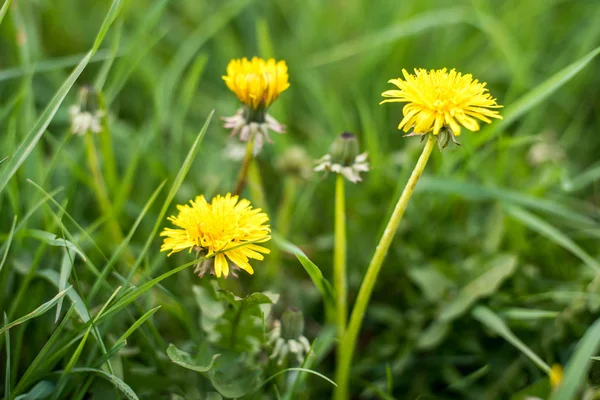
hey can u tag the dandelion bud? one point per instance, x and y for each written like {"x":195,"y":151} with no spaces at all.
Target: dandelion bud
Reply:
{"x":287,"y":337}
{"x":295,"y":162}
{"x":292,"y":324}
{"x":344,"y":158}
{"x":344,"y":149}
{"x":86,"y":115}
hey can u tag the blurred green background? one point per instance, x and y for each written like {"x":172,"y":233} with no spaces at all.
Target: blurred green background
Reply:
{"x":508,"y":221}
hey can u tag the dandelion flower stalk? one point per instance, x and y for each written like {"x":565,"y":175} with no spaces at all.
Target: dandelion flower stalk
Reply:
{"x":368,"y":283}
{"x":339,"y":261}
{"x":438,"y":104}
{"x":243,"y":174}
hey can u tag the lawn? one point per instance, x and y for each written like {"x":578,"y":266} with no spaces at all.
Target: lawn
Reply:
{"x":466,"y":271}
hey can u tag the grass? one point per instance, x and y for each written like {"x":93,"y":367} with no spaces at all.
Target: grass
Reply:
{"x":490,"y":279}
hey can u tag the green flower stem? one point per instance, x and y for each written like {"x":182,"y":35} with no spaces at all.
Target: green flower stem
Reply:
{"x":366,"y":288}
{"x":284,"y":214}
{"x":339,"y":260}
{"x":243,"y":176}
{"x":108,"y":156}
{"x":256,"y":187}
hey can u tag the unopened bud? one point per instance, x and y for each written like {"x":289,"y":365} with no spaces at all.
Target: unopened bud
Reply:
{"x":292,"y":324}
{"x":344,"y":149}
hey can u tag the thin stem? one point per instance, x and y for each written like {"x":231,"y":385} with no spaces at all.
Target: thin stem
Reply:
{"x":339,"y":259}
{"x":284,"y":214}
{"x":339,"y":265}
{"x":242,"y":177}
{"x":368,"y":283}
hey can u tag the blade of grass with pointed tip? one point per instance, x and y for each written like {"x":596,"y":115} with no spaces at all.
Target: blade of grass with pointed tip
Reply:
{"x":31,"y":140}
{"x":53,"y":240}
{"x":187,"y":164}
{"x":3,"y":12}
{"x":493,"y":322}
{"x":119,"y":383}
{"x":576,"y":372}
{"x":311,"y":268}
{"x":53,"y":277}
{"x":310,"y":371}
{"x":37,"y":312}
{"x":545,"y":229}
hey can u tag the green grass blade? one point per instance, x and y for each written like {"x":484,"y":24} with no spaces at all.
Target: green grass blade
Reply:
{"x":189,"y":48}
{"x":119,"y":383}
{"x":583,"y":180}
{"x":37,"y":312}
{"x":3,"y":12}
{"x":413,"y":26}
{"x":132,"y":295}
{"x":136,"y":325}
{"x":63,"y":211}
{"x":52,"y":240}
{"x":576,"y":372}
{"x":545,"y":229}
{"x":66,"y":266}
{"x":493,"y":322}
{"x":110,"y":264}
{"x":263,"y":37}
{"x":41,"y":390}
{"x":53,"y":64}
{"x":187,"y":164}
{"x":31,"y":140}
{"x":7,"y":373}
{"x":8,"y":242}
{"x":310,"y":371}
{"x":478,"y":192}
{"x":80,"y":307}
{"x":311,"y":268}
{"x":537,"y":95}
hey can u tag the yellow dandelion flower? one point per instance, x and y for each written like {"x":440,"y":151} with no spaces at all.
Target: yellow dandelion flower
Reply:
{"x":556,"y":375}
{"x":438,"y":99}
{"x":224,"y":224}
{"x":257,"y":83}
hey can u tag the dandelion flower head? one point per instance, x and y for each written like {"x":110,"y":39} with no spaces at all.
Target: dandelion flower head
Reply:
{"x":438,"y":98}
{"x":257,"y":83}
{"x":224,"y":226}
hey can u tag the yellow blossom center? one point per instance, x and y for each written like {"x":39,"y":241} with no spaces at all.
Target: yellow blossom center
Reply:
{"x":257,"y":82}
{"x":439,"y":98}
{"x":219,"y":227}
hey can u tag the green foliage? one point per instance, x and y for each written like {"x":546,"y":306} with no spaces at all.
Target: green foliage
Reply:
{"x":491,"y":278}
